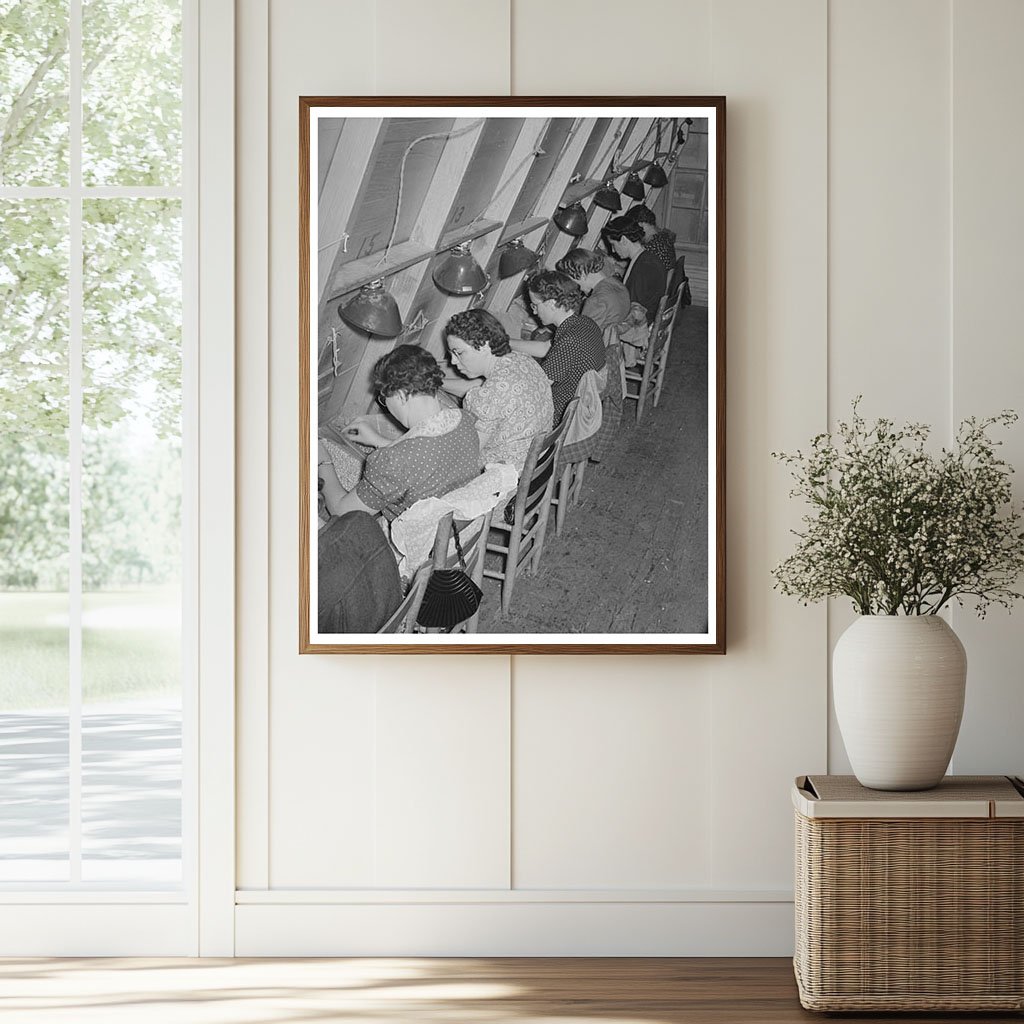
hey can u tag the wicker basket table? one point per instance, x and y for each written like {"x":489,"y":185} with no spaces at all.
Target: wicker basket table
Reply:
{"x":910,"y":901}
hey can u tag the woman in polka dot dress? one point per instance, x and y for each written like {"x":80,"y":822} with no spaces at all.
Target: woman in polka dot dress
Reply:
{"x":439,"y":451}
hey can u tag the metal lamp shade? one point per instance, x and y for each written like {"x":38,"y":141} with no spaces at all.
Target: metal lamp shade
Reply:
{"x":458,"y":273}
{"x":607,"y":197}
{"x":634,"y":187}
{"x":572,"y":219}
{"x":373,"y":310}
{"x":655,"y":176}
{"x":516,"y":258}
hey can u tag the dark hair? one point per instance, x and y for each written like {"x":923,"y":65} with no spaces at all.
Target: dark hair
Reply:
{"x":577,"y":262}
{"x":478,"y":327}
{"x":407,"y":368}
{"x":550,"y":284}
{"x":642,"y":215}
{"x":623,"y":227}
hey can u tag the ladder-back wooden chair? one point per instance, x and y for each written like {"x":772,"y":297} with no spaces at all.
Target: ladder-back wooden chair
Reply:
{"x":473,"y":538}
{"x":403,"y":619}
{"x":675,"y":302}
{"x":677,"y":278}
{"x":569,"y":483}
{"x":639,"y":382}
{"x":524,"y":539}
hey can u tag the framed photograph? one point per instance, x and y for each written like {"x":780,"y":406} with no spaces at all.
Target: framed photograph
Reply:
{"x":512,"y":375}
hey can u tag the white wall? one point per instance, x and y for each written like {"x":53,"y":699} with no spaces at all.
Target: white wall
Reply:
{"x":560,"y":805}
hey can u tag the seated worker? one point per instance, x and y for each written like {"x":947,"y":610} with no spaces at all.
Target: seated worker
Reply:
{"x":607,"y":298}
{"x":358,"y":587}
{"x":608,"y":305}
{"x":578,"y":344}
{"x":645,"y":276}
{"x":439,"y":451}
{"x":507,"y":392}
{"x":659,"y":241}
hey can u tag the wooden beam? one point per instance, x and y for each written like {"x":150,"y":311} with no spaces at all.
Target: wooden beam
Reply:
{"x":521,"y":228}
{"x":467,"y":233}
{"x":580,"y":190}
{"x":359,"y":272}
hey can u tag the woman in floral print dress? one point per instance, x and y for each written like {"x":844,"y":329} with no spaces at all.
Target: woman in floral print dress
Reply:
{"x":507,"y":392}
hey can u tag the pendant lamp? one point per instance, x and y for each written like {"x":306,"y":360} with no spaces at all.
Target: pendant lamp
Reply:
{"x":634,"y":187}
{"x":607,"y":197}
{"x":458,"y":273}
{"x":572,"y":219}
{"x":373,"y":310}
{"x":515,"y":258}
{"x":655,"y":176}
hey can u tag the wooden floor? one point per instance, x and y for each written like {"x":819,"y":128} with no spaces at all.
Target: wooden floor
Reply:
{"x":383,"y":991}
{"x":632,"y":557}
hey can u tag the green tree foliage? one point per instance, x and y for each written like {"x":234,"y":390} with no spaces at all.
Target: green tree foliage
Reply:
{"x":33,"y":92}
{"x":131,"y":279}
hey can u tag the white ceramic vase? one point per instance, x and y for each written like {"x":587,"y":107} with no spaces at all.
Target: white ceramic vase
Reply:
{"x":898,"y":684}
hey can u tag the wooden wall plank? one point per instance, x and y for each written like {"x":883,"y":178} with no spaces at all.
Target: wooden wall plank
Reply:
{"x":987,"y":371}
{"x":342,"y":183}
{"x":889,"y":250}
{"x":444,"y":824}
{"x":329,"y":133}
{"x":768,"y":694}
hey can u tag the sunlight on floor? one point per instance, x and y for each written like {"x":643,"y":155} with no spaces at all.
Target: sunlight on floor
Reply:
{"x":167,"y":991}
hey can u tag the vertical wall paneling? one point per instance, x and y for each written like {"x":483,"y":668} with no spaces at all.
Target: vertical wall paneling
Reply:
{"x":443,"y":48}
{"x":889,"y":231}
{"x":252,"y":186}
{"x":889,"y":246}
{"x":442,"y":776}
{"x":769,"y":692}
{"x":320,"y":708}
{"x":612,"y":775}
{"x":650,"y":48}
{"x":987,"y":367}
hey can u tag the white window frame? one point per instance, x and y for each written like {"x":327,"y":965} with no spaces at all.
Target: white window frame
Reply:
{"x":198,"y":918}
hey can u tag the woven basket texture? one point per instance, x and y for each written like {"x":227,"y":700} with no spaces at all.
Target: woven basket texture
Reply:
{"x":912,"y":914}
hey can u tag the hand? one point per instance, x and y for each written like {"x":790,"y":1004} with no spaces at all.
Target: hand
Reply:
{"x":360,"y":431}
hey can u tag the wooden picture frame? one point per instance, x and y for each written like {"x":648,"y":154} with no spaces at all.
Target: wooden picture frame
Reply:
{"x":388,"y":186}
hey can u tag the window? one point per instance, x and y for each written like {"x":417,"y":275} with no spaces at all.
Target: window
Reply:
{"x":95,"y":463}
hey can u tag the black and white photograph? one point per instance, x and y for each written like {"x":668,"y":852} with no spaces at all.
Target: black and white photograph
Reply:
{"x":512,"y":375}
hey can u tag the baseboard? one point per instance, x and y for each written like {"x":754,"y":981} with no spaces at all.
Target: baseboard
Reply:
{"x":521,"y":928}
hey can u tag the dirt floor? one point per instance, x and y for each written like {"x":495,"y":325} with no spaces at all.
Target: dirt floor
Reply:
{"x":633,"y":555}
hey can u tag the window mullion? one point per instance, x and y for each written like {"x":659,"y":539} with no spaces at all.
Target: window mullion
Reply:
{"x":75,"y":297}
